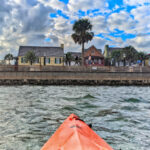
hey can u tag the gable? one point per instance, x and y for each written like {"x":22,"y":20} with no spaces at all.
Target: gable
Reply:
{"x":93,"y":51}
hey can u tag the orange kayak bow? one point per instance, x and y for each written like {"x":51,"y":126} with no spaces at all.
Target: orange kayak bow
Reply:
{"x":75,"y":134}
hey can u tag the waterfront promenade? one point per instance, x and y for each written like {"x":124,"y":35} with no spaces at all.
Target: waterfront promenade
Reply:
{"x":12,"y":75}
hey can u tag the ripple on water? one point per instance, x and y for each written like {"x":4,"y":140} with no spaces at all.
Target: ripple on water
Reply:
{"x":88,"y":96}
{"x":29,"y":115}
{"x":70,"y":108}
{"x":130,"y":108}
{"x":133,"y":100}
{"x":106,"y":112}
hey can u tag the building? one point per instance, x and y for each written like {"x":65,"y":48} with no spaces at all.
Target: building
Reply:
{"x":124,"y":61}
{"x":108,"y":50}
{"x":147,"y":60}
{"x":46,"y":56}
{"x":93,"y":56}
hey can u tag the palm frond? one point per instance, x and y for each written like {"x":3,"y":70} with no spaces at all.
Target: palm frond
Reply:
{"x":82,"y":25}
{"x":77,"y":38}
{"x":88,"y":36}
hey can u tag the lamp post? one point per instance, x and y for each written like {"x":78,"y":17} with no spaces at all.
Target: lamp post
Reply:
{"x":112,"y":61}
{"x":44,"y":59}
{"x":40,"y":63}
{"x":124,"y":56}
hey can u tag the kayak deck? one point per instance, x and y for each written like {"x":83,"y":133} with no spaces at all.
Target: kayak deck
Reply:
{"x":75,"y":134}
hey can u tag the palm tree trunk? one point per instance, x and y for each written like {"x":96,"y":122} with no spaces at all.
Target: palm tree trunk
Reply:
{"x":82,"y":54}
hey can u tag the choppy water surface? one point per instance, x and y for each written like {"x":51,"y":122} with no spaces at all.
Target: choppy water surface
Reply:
{"x":30,"y":114}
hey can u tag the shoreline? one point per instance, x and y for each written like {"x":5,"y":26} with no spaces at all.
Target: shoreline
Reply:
{"x":75,"y":78}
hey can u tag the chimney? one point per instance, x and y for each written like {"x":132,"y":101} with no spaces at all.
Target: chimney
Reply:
{"x":62,"y":46}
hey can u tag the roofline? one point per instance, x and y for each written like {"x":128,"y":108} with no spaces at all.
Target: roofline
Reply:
{"x":116,"y":47}
{"x":42,"y":46}
{"x":90,"y":47}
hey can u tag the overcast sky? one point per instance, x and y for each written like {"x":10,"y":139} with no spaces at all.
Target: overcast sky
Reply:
{"x":118,"y":23}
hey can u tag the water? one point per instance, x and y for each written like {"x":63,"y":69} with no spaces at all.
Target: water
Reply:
{"x":30,"y":114}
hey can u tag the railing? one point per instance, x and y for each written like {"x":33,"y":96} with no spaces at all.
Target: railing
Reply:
{"x":13,"y":68}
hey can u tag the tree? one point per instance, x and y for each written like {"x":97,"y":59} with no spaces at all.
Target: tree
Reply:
{"x":130,"y":53}
{"x":82,"y":33}
{"x":30,"y":56}
{"x":8,"y":57}
{"x":107,"y":61}
{"x":142,"y":56}
{"x":68,"y":58}
{"x":116,"y":55}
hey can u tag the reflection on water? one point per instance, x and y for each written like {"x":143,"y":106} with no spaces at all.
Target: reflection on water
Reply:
{"x":29,"y":115}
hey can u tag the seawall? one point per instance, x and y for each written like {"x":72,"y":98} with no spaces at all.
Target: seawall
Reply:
{"x":73,"y":78}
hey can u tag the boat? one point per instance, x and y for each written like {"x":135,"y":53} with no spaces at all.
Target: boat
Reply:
{"x":75,"y":134}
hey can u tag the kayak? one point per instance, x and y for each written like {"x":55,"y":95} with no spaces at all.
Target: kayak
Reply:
{"x":75,"y":134}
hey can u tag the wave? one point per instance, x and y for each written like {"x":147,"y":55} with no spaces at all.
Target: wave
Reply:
{"x":132,"y":100}
{"x":106,"y":112}
{"x":70,"y":108}
{"x":87,"y":105}
{"x":88,"y":96}
{"x":130,"y":108}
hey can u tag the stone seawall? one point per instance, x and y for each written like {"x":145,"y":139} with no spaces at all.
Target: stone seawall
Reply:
{"x":74,"y":78}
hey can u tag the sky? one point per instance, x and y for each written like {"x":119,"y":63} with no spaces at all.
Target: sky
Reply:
{"x":118,"y":23}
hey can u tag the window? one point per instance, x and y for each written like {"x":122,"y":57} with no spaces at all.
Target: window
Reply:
{"x":93,"y":52}
{"x":95,"y":61}
{"x":57,"y":60}
{"x":48,"y":60}
{"x":37,"y":61}
{"x":99,"y":61}
{"x":23,"y":60}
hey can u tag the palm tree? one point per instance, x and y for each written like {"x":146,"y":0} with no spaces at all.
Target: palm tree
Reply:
{"x":82,"y":33}
{"x":8,"y":57}
{"x":30,"y":56}
{"x":116,"y":55}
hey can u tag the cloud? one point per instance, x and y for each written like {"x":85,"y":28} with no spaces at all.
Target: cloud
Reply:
{"x":141,"y":43}
{"x":142,"y":28}
{"x":142,"y":17}
{"x":99,"y":24}
{"x":34,"y":21}
{"x":28,"y":22}
{"x":23,"y":24}
{"x":136,"y":2}
{"x":122,"y":21}
{"x":4,"y":12}
{"x":55,"y":4}
{"x":84,"y":5}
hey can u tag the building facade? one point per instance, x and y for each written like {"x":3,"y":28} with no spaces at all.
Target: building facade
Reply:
{"x":46,"y":56}
{"x":108,"y":50}
{"x":93,"y":57}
